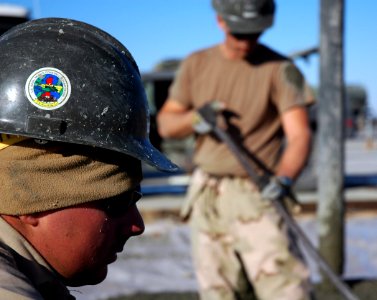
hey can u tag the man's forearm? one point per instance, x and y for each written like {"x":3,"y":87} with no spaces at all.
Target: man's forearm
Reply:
{"x":175,"y":124}
{"x":295,"y":156}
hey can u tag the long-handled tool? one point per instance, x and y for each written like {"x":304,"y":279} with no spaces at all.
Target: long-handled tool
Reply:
{"x":244,"y":159}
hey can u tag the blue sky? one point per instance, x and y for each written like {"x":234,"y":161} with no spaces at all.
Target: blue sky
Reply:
{"x":154,"y":30}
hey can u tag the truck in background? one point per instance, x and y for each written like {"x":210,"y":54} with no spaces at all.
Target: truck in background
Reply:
{"x":12,"y":15}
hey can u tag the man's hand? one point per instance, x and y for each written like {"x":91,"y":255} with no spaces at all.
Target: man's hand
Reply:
{"x":277,"y":188}
{"x":205,"y":118}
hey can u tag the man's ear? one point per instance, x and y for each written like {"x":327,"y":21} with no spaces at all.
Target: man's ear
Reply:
{"x":221,"y":23}
{"x":32,"y":220}
{"x":21,"y":222}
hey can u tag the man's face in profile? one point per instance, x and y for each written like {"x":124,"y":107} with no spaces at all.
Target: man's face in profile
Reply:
{"x":79,"y":242}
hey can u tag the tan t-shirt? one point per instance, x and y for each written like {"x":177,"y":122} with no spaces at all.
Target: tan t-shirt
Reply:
{"x":257,"y":90}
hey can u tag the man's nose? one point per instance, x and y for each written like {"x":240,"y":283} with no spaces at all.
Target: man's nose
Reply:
{"x":136,"y":221}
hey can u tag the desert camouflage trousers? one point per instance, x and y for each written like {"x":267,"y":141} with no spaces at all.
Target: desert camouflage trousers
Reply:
{"x":240,"y":243}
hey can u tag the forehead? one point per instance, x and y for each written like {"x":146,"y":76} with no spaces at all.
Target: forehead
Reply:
{"x":68,"y":222}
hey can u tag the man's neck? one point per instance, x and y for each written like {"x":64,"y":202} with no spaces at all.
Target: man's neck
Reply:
{"x":233,"y":54}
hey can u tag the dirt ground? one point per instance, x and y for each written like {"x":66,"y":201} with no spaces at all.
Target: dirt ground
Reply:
{"x":365,"y":290}
{"x":158,"y":265}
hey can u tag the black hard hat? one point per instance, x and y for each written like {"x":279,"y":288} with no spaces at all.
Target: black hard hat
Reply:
{"x":68,"y":81}
{"x":246,"y":16}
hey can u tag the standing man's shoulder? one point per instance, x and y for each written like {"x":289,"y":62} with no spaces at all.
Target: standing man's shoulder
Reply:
{"x":289,"y":86}
{"x":283,"y":64}
{"x":264,"y":54}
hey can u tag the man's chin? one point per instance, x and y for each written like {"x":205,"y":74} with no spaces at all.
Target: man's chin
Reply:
{"x":90,"y":278}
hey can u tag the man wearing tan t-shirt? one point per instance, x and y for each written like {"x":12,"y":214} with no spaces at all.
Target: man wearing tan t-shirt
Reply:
{"x":236,"y":233}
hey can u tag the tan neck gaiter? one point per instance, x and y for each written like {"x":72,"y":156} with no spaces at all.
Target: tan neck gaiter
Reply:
{"x":40,"y":177}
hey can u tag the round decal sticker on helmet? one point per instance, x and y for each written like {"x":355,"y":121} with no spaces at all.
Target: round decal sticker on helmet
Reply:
{"x":48,"y":88}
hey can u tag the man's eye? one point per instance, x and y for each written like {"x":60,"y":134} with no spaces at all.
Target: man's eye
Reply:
{"x":119,"y":206}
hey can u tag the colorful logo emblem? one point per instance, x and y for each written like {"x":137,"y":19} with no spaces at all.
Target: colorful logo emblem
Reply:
{"x":48,"y":88}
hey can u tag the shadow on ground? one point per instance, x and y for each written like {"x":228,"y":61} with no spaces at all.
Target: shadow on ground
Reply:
{"x":365,"y":290}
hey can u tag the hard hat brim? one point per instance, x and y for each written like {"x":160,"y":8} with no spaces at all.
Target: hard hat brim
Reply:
{"x":147,"y":153}
{"x":248,"y":26}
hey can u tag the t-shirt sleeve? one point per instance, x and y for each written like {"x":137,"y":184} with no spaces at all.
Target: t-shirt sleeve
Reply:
{"x":179,"y":90}
{"x":290,"y":88}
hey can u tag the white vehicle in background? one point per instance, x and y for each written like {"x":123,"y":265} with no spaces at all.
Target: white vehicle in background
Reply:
{"x":12,"y":15}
